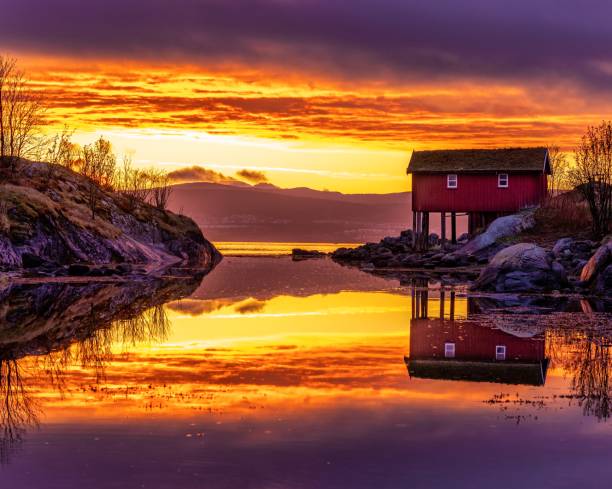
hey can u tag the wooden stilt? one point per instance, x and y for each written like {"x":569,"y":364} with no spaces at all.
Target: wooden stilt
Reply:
{"x":454,"y":227}
{"x":426,"y":230}
{"x":452,"y":305}
{"x":442,"y":229}
{"x":441,"y":304}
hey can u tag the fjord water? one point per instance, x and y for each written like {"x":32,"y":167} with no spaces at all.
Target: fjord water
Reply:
{"x":269,"y":373}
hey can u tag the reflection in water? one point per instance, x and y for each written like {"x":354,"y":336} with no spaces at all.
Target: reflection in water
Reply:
{"x":586,"y":356}
{"x":270,"y":371}
{"x":47,"y":328}
{"x":445,"y":348}
{"x":486,"y":346}
{"x":18,"y":409}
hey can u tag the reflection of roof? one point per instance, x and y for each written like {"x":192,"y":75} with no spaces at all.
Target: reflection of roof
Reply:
{"x":498,"y":372}
{"x":479,"y":160}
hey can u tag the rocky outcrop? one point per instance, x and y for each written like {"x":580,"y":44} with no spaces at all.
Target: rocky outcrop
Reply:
{"x":597,"y":272}
{"x":502,"y":227}
{"x":573,"y":253}
{"x":389,"y":252}
{"x":46,"y":220}
{"x":523,"y":267}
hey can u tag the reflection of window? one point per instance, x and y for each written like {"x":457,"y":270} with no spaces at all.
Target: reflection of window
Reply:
{"x":449,"y":350}
{"x":500,"y":352}
{"x":502,"y":180}
{"x":451,"y":181}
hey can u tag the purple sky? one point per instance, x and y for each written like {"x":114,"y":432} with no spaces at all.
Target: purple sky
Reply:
{"x":397,"y":39}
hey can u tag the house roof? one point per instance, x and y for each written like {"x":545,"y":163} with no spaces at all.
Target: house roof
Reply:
{"x":505,"y":372}
{"x":480,"y":160}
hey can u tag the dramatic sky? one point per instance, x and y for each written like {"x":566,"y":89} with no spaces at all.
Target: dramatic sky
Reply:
{"x":325,"y":93}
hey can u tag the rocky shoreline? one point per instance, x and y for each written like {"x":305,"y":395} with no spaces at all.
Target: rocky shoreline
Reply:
{"x":47,"y":229}
{"x":492,"y":262}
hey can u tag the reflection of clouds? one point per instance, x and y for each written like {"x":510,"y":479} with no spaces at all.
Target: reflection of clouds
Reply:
{"x":197,"y":307}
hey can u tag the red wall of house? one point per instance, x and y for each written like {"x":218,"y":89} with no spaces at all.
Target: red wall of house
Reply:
{"x":472,"y":341}
{"x":477,"y":192}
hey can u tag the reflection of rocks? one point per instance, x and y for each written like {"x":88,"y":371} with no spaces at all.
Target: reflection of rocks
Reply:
{"x":47,"y":320}
{"x":522,"y":267}
{"x":36,"y":318}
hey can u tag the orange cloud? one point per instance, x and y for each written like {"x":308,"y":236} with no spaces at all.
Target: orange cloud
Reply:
{"x":253,"y":176}
{"x":199,"y":174}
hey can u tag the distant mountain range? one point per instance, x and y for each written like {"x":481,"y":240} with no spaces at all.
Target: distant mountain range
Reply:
{"x":230,"y":212}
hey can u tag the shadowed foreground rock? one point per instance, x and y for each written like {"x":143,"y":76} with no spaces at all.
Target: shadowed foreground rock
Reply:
{"x":598,"y":270}
{"x":523,"y":267}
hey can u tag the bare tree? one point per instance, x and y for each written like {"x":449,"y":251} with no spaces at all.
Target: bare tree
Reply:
{"x":592,"y":175}
{"x":559,"y":166}
{"x":21,"y":114}
{"x":98,"y":165}
{"x":161,"y":190}
{"x":60,"y":150}
{"x":136,"y":184}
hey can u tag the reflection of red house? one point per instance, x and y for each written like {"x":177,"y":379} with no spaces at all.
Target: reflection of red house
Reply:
{"x":443,"y":349}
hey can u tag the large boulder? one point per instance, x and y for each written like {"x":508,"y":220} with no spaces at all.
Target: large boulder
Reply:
{"x":523,"y":267}
{"x":502,"y":227}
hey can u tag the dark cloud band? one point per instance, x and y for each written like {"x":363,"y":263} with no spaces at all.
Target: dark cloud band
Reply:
{"x":545,"y":42}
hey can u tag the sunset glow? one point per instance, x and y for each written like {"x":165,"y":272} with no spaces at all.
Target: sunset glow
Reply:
{"x":316,"y":109}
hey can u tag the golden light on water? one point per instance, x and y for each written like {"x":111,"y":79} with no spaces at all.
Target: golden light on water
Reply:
{"x":248,"y":356}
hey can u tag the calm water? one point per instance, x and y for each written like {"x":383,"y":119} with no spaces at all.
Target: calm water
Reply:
{"x":241,"y":248}
{"x":269,"y":373}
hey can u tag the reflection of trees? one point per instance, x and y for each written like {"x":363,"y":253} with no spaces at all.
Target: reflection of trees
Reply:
{"x":18,"y":410}
{"x":591,"y":381}
{"x":587,"y":357}
{"x":92,"y":350}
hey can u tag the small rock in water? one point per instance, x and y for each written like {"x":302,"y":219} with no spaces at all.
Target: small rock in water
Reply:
{"x":300,"y":254}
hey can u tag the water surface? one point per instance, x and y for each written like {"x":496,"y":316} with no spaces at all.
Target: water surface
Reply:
{"x":271,"y":373}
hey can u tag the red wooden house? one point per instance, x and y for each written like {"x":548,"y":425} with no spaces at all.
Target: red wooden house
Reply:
{"x":482,"y":183}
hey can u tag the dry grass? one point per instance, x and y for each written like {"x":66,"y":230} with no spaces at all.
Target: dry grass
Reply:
{"x":5,"y":224}
{"x":562,"y":216}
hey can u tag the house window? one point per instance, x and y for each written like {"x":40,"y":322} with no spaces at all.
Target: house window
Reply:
{"x":449,"y":350}
{"x":502,"y":180}
{"x":500,"y":352}
{"x":451,"y":181}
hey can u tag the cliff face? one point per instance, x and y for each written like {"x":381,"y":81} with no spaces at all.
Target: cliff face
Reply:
{"x":45,"y":213}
